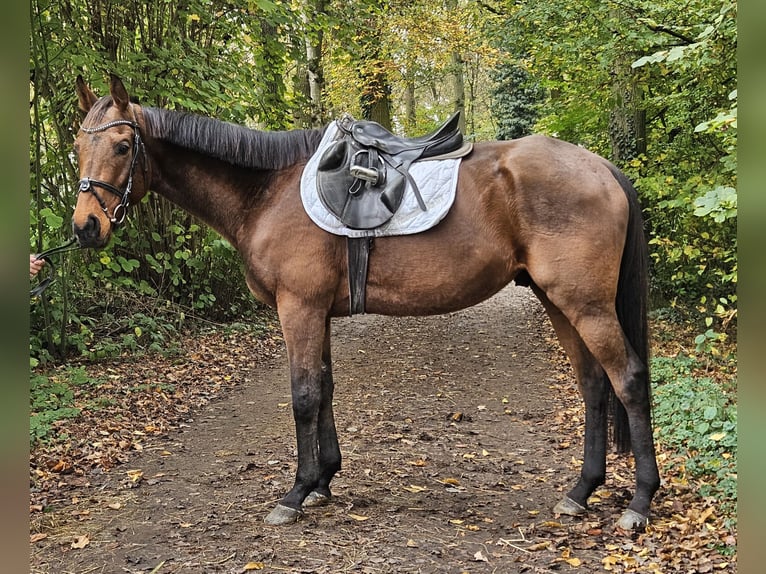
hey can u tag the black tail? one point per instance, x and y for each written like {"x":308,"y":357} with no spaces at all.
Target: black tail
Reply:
{"x":632,"y":302}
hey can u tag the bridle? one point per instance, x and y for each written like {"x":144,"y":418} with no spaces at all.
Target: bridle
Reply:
{"x":87,"y":184}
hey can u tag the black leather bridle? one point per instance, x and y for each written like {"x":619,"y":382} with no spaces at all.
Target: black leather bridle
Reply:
{"x":87,"y":184}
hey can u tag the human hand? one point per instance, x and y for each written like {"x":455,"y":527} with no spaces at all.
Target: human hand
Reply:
{"x":35,"y":265}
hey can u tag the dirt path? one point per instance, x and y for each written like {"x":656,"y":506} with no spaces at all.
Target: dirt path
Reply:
{"x":459,"y":434}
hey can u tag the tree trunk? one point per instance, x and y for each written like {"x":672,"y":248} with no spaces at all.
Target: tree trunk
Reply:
{"x":458,"y":87}
{"x":314,"y":72}
{"x":627,"y":121}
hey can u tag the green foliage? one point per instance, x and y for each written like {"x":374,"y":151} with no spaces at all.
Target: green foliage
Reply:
{"x":696,"y":418}
{"x":515,"y":99}
{"x":51,"y":399}
{"x":688,"y":180}
{"x":192,"y":57}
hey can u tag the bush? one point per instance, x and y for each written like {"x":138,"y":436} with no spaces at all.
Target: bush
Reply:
{"x":696,"y":418}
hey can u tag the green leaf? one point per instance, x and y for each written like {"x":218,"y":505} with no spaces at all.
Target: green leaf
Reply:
{"x":709,"y":413}
{"x":52,"y":220}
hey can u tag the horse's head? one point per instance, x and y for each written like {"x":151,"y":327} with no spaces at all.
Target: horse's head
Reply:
{"x":112,"y":161}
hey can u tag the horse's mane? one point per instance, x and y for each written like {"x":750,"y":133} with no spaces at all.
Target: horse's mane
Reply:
{"x":232,"y":143}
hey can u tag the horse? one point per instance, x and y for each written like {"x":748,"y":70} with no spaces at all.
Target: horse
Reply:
{"x":539,"y":211}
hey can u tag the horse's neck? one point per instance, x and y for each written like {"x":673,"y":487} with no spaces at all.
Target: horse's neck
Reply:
{"x":209,"y":189}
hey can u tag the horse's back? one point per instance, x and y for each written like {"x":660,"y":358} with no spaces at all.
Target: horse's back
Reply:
{"x":527,"y":205}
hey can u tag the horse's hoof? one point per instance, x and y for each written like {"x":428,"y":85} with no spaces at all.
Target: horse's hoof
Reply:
{"x":632,"y":520}
{"x":282,"y":515}
{"x":315,"y":499}
{"x":569,"y":507}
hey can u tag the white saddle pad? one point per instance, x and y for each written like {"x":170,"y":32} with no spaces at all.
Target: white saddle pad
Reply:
{"x":436,"y":180}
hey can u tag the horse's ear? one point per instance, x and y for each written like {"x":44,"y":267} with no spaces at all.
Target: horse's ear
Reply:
{"x":119,"y":93}
{"x":85,"y":96}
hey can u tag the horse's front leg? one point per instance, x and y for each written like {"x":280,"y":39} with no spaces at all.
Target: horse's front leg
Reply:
{"x":304,"y":333}
{"x":329,"y":450}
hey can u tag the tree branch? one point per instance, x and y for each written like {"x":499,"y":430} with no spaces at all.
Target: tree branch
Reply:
{"x":665,"y":30}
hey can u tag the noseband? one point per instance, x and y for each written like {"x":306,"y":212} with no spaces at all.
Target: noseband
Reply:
{"x":87,"y":184}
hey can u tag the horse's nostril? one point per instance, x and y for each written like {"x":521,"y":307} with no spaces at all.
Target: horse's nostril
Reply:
{"x":93,"y":225}
{"x":87,"y":234}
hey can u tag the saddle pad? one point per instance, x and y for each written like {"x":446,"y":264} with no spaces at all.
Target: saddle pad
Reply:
{"x":436,"y":179}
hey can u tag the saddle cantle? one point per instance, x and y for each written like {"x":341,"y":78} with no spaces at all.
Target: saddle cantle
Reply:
{"x":363,"y":175}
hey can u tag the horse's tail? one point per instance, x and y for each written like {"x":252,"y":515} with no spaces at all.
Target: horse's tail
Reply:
{"x":631,"y":303}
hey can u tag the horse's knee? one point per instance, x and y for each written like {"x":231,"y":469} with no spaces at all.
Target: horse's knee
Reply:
{"x":306,"y":396}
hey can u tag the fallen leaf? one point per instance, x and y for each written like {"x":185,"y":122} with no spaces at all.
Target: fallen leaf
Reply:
{"x":135,"y":475}
{"x":411,"y":543}
{"x":253,"y":566}
{"x":451,"y":481}
{"x":705,"y":515}
{"x":551,"y":524}
{"x":81,"y":541}
{"x":37,"y":537}
{"x":414,"y":488}
{"x":479,"y":557}
{"x":115,"y":505}
{"x":358,"y":517}
{"x":539,"y":546}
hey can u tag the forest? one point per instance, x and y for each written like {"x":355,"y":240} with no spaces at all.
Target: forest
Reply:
{"x":650,"y":85}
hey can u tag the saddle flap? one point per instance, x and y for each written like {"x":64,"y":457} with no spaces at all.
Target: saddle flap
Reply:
{"x":358,"y":203}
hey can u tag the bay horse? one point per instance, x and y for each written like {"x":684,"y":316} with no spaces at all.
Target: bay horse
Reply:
{"x":537,"y":210}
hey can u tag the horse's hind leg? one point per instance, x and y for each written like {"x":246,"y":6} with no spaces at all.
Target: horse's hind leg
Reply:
{"x":589,"y":310}
{"x":601,"y":332}
{"x":329,"y":450}
{"x":592,"y":383}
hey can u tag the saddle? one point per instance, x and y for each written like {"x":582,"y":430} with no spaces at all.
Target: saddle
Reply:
{"x":363,"y":175}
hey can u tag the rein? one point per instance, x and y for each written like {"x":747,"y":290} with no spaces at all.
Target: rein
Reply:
{"x":45,"y":283}
{"x":86,"y":184}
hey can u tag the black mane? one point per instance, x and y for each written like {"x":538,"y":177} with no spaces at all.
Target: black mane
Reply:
{"x":232,"y":143}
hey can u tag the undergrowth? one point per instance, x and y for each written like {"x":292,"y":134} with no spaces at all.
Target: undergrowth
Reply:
{"x":52,"y":399}
{"x":695,"y":418}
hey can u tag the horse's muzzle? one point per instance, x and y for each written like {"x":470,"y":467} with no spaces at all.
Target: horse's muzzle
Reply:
{"x":89,"y":235}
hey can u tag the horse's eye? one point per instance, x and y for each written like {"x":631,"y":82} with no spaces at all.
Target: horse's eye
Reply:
{"x":122,"y":148}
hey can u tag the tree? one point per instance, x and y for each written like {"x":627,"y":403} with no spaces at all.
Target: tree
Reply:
{"x":516,"y":98}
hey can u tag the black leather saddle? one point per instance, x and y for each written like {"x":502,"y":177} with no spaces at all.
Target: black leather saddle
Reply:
{"x":363,"y":175}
